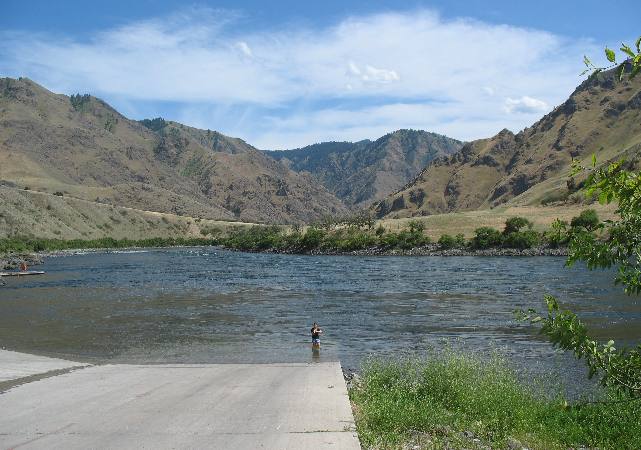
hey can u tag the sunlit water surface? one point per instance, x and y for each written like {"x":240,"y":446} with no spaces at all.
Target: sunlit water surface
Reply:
{"x":201,"y":305}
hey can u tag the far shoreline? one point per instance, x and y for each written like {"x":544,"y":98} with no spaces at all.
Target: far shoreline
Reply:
{"x":431,"y":250}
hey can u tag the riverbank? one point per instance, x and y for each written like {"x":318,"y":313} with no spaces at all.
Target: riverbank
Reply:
{"x":356,"y":238}
{"x":32,"y":251}
{"x":462,"y":401}
{"x":426,"y":250}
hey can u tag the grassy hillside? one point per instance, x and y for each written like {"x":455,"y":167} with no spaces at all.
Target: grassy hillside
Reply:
{"x":362,"y":172}
{"x":37,"y":214}
{"x":530,"y":168}
{"x":465,"y":222}
{"x":81,"y":146}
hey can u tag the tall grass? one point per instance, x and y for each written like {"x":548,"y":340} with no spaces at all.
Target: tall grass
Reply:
{"x":448,"y":400}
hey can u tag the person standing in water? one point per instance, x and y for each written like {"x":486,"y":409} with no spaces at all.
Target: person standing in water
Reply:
{"x":316,"y":332}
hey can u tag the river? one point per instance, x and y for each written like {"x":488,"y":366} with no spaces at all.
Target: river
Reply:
{"x":200,"y":305}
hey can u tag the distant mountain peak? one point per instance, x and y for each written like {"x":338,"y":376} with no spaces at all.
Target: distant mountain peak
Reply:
{"x":362,"y":172}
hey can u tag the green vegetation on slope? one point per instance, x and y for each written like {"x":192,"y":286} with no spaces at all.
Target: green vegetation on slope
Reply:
{"x":328,"y":237}
{"x":357,"y":234}
{"x":454,"y":400}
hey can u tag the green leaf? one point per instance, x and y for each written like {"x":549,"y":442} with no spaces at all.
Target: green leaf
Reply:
{"x":594,"y":160}
{"x":628,"y":50}
{"x":587,"y":61}
{"x":603,"y":198}
{"x":552,"y":304}
{"x":638,"y":44}
{"x":621,"y":72}
{"x":610,"y":55}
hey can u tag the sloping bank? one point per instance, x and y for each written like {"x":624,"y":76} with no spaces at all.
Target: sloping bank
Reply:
{"x":455,"y":400}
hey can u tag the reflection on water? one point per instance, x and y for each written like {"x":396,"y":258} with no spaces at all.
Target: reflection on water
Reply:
{"x":208,"y":305}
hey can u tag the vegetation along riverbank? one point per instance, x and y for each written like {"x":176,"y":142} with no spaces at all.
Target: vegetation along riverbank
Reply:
{"x":353,"y":236}
{"x":457,"y":400}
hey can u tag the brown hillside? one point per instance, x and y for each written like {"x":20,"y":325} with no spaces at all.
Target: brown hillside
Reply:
{"x":360,"y":173}
{"x":602,"y":116}
{"x":83,"y":147}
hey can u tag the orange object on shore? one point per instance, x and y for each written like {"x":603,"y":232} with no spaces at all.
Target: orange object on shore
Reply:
{"x":23,"y":266}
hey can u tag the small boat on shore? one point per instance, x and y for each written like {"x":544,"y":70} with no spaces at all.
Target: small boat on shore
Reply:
{"x":21,"y":274}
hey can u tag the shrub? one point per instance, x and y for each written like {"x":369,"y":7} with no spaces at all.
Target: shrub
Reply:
{"x":447,"y":242}
{"x":156,"y":124}
{"x":486,"y":237}
{"x":522,"y":239}
{"x":450,"y":392}
{"x":78,"y":101}
{"x":557,"y":235}
{"x":256,"y":238}
{"x":313,"y":238}
{"x":588,"y":219}
{"x":416,"y":226}
{"x":514,"y":224}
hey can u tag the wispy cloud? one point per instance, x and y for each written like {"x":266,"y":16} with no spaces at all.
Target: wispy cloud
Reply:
{"x":289,"y":87}
{"x":525,"y":105}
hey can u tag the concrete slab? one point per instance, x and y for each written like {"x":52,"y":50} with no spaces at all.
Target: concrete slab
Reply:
{"x":14,"y":365}
{"x":226,"y":406}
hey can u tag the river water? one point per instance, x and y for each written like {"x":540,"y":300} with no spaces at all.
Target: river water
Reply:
{"x":202,"y":305}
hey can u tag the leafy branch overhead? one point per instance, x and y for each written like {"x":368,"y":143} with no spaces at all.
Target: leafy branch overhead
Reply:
{"x":603,"y":245}
{"x":631,"y":64}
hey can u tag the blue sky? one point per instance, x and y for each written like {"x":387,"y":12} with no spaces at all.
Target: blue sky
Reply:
{"x":285,"y":74}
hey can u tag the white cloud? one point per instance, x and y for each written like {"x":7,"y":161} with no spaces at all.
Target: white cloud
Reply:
{"x":372,"y":74}
{"x":276,"y":88}
{"x":526,"y":105}
{"x":244,"y":48}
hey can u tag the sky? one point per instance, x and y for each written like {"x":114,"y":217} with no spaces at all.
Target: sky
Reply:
{"x":286,"y":74}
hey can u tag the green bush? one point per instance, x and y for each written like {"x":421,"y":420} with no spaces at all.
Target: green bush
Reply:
{"x":447,"y":242}
{"x":557,"y":235}
{"x":416,"y":226}
{"x":515,"y":224}
{"x":522,"y":239}
{"x":79,"y":101}
{"x":156,"y":124}
{"x":312,"y":239}
{"x":486,"y":237}
{"x":255,"y":238}
{"x":588,"y":219}
{"x":453,"y":392}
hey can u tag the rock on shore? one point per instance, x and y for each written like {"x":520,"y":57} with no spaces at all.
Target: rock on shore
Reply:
{"x":427,"y":250}
{"x":13,"y":261}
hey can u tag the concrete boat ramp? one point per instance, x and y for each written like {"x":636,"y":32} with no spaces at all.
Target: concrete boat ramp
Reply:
{"x":54,"y":404}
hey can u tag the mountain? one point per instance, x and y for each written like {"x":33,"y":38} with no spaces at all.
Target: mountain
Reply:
{"x":602,"y":117}
{"x":363,"y":172}
{"x":81,"y":147}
